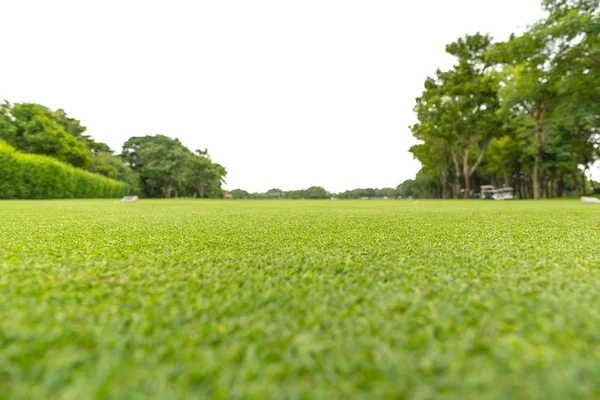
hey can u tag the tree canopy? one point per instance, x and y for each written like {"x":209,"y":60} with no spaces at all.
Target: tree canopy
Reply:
{"x":523,"y":113}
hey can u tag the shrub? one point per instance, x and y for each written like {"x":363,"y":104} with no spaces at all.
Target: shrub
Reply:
{"x":30,"y":176}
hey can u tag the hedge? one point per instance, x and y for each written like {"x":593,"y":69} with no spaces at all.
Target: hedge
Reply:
{"x":32,"y":176}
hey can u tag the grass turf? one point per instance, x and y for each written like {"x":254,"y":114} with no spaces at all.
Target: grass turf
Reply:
{"x":296,"y":299}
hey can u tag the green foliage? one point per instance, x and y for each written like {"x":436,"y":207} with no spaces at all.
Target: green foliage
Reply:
{"x":458,"y":114}
{"x":111,"y":166}
{"x":423,"y":186}
{"x":157,"y":165}
{"x":312,"y":193}
{"x":167,"y":168}
{"x":205,"y":176}
{"x":274,"y":194}
{"x":317,"y":192}
{"x":102,"y":163}
{"x":32,"y":128}
{"x":164,"y":163}
{"x":540,"y":93}
{"x":29,"y":176}
{"x":239,"y":194}
{"x":299,"y":300}
{"x":390,"y":193}
{"x":71,"y":125}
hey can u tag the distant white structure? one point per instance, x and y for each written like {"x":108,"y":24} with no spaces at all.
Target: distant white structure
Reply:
{"x":505,"y":193}
{"x":590,"y":200}
{"x":490,"y":192}
{"x":485,"y":191}
{"x":129,"y":199}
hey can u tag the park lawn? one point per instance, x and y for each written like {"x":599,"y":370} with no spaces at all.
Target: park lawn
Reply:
{"x":172,"y":299}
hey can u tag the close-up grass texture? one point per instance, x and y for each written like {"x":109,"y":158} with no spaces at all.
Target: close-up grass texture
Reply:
{"x":177,"y":299}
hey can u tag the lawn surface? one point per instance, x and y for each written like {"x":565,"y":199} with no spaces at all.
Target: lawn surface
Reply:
{"x":299,"y":299}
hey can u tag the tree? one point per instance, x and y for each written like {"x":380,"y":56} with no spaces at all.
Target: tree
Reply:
{"x":101,"y":164}
{"x":166,"y":166}
{"x":423,"y":186}
{"x":434,"y":155}
{"x":554,"y":73}
{"x":472,"y":88}
{"x":544,"y":90}
{"x":162,"y":163}
{"x":573,"y":29}
{"x":8,"y":129}
{"x":386,"y":192}
{"x":460,"y":109}
{"x":294,"y":194}
{"x":31,"y":128}
{"x":131,"y":150}
{"x":275,"y":193}
{"x":204,"y":173}
{"x":107,"y":164}
{"x":71,"y":125}
{"x":239,"y":194}
{"x":317,"y":192}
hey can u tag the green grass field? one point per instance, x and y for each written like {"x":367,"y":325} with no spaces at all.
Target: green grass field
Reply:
{"x":299,"y":299}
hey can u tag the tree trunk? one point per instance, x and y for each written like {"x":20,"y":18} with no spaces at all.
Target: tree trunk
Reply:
{"x":467,"y":174}
{"x":583,"y":184}
{"x":528,"y":187}
{"x":560,"y":187}
{"x":543,"y":187}
{"x":443,"y":185}
{"x":457,"y":172}
{"x":168,"y":190}
{"x":201,"y":188}
{"x":521,"y":194}
{"x":446,"y":189}
{"x":539,"y":153}
{"x":456,"y":187}
{"x":469,"y":171}
{"x":537,"y":169}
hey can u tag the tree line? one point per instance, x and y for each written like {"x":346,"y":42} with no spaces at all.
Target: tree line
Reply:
{"x":153,"y":166}
{"x":318,"y":192}
{"x":313,"y":192}
{"x":524,"y":113}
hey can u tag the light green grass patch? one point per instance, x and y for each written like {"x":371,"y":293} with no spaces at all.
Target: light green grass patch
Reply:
{"x":299,"y":299}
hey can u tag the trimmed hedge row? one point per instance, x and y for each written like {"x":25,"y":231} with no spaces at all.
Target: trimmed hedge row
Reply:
{"x":31,"y":176}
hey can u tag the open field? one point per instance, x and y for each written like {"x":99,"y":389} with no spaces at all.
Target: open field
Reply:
{"x":295,"y":299}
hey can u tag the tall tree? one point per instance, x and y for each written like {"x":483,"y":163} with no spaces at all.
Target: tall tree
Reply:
{"x":529,"y":88}
{"x":573,"y":29}
{"x":460,"y":107}
{"x":555,"y":74}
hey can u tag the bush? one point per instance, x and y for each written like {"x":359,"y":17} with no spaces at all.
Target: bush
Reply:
{"x":30,"y":176}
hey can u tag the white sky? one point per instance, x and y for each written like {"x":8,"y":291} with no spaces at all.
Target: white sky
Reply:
{"x":285,"y":94}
